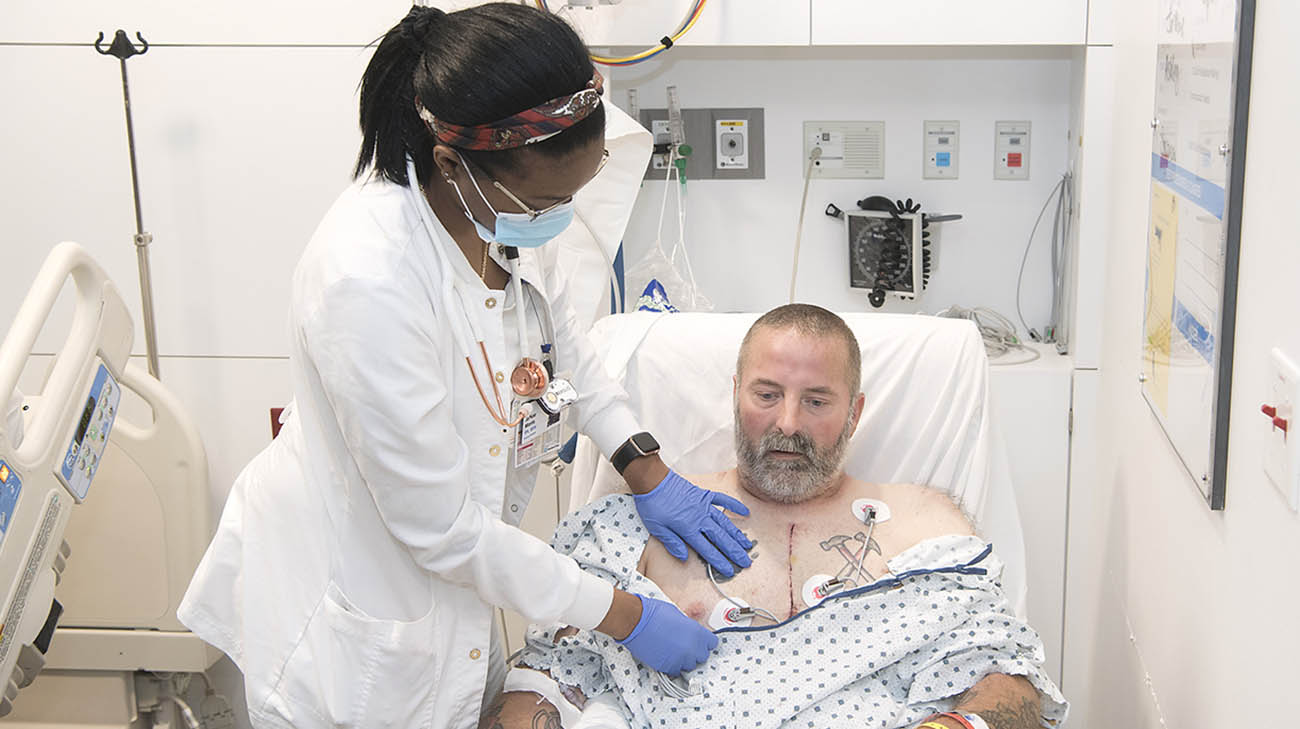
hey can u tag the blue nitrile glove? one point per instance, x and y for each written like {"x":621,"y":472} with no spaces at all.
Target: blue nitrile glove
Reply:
{"x":678,"y":511}
{"x":666,"y":640}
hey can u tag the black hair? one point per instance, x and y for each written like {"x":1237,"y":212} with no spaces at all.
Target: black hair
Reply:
{"x":473,"y":66}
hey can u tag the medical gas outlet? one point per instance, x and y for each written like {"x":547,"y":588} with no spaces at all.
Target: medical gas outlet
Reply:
{"x":731,"y":140}
{"x":1011,"y":150}
{"x":940,"y":150}
{"x":728,"y":143}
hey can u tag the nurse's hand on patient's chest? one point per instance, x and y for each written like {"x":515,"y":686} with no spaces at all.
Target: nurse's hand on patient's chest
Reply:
{"x":678,"y":513}
{"x":663,"y":638}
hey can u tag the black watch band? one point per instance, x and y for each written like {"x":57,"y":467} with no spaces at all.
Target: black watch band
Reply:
{"x":641,"y":444}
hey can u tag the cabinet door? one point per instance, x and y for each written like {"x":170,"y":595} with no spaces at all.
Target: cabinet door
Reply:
{"x":1031,"y":409}
{"x":949,"y":22}
{"x":641,"y":23}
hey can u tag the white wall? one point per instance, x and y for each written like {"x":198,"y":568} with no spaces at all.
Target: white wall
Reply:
{"x":245,"y":130}
{"x":741,"y":232}
{"x":1177,"y":616}
{"x":240,"y":150}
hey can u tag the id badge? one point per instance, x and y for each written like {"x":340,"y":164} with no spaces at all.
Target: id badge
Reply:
{"x":537,"y":436}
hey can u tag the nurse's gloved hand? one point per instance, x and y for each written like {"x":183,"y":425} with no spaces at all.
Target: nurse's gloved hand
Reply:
{"x":679,"y":513}
{"x":666,"y":640}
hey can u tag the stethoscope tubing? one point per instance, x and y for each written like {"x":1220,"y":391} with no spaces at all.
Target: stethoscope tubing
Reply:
{"x":457,"y":313}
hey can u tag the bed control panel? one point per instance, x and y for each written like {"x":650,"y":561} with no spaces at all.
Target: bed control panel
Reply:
{"x":81,"y":460}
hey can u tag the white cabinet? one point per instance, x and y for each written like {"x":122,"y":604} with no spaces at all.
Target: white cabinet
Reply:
{"x":1031,"y":408}
{"x":641,"y":23}
{"x":949,"y":22}
{"x":1102,"y":18}
{"x":630,"y":23}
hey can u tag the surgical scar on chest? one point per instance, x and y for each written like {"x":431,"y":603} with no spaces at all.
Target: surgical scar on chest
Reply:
{"x":774,"y":588}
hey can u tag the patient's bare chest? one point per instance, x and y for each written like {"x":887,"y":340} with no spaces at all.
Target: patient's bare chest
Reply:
{"x":795,"y":548}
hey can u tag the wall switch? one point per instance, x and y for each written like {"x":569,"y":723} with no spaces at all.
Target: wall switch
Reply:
{"x":1011,"y":150}
{"x":940,"y":145}
{"x":1281,"y":451}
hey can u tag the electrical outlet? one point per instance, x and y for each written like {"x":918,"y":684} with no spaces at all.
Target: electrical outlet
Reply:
{"x":1281,"y":451}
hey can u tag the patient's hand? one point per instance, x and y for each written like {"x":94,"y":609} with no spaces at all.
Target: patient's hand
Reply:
{"x":1003,"y":702}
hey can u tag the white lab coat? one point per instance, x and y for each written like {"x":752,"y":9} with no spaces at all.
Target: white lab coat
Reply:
{"x":356,"y":562}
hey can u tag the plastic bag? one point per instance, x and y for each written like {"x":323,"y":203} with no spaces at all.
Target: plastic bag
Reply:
{"x":657,"y":280}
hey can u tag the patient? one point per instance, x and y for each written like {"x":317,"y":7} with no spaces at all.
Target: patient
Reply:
{"x":910,"y":619}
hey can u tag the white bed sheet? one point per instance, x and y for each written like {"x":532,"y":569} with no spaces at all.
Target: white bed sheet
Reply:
{"x":927,"y":419}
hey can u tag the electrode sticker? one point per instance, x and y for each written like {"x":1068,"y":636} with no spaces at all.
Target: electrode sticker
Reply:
{"x":818,"y":588}
{"x":730,"y":614}
{"x":860,"y":509}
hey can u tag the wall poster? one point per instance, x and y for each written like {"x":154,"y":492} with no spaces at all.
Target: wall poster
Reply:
{"x":1198,"y":154}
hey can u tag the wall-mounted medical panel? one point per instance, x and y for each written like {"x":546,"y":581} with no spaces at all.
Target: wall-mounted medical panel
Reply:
{"x":324,"y":22}
{"x":849,"y":150}
{"x":949,"y":22}
{"x":710,"y":133}
{"x":641,"y":23}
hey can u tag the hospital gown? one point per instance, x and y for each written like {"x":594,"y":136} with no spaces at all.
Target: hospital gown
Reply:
{"x":884,"y":655}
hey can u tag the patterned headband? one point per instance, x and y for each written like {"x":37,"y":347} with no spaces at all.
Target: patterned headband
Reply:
{"x":527,"y":127}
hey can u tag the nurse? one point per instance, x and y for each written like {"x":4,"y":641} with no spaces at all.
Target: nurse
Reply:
{"x":358,"y":559}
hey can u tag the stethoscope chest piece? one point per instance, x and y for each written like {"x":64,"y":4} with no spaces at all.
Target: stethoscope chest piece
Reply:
{"x":529,"y":379}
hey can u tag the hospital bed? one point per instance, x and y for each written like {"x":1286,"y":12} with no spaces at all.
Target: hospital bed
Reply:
{"x":111,"y":449}
{"x":927,"y":418}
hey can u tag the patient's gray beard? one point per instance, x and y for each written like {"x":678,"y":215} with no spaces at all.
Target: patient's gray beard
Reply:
{"x":789,"y":481}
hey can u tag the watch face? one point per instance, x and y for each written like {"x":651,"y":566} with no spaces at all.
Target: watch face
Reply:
{"x":645,"y":442}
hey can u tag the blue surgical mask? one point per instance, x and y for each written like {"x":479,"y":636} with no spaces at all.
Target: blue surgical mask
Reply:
{"x":517,"y":229}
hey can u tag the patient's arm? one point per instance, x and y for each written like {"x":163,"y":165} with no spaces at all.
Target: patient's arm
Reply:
{"x":1002,"y":701}
{"x":527,"y":710}
{"x":521,"y":710}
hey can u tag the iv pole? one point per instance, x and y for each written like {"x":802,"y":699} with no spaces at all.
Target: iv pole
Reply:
{"x":122,"y":49}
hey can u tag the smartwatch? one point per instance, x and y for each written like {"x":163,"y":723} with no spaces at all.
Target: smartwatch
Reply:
{"x":641,"y":444}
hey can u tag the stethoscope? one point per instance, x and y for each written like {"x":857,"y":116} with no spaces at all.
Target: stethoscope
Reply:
{"x":530,"y":379}
{"x":741,"y":611}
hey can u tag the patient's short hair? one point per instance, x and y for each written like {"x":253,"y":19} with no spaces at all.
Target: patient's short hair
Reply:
{"x":810,"y":321}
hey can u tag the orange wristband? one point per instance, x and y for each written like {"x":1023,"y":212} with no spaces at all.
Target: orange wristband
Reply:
{"x":957,"y":718}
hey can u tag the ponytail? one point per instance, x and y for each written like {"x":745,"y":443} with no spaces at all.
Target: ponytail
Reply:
{"x":390,"y":127}
{"x":473,"y":66}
